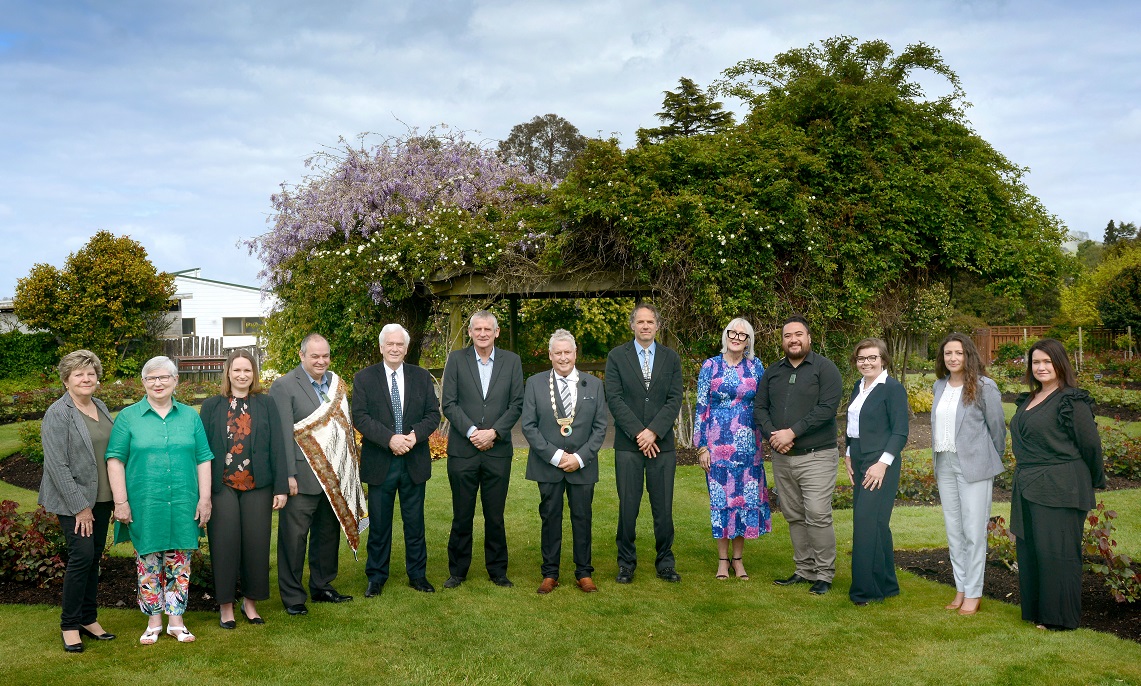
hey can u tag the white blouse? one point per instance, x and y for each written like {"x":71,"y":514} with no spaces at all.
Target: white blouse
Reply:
{"x":854,"y":414}
{"x":943,"y":440}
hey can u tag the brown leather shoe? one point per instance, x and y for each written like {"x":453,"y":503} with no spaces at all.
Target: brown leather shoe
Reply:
{"x":547,"y":586}
{"x":587,"y":585}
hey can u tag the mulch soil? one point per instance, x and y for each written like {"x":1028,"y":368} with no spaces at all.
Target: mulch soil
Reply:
{"x":118,"y":587}
{"x":1100,"y":611}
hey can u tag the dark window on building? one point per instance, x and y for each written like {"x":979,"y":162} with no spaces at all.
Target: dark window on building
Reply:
{"x":188,"y":328}
{"x":241,"y":326}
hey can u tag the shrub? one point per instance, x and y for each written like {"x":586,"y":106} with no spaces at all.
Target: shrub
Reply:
{"x":32,"y":547}
{"x":1116,"y":568}
{"x":920,"y":396}
{"x":438,"y":445}
{"x":202,"y":566}
{"x":30,"y":445}
{"x":1122,"y":452}
{"x":23,"y":354}
{"x":842,"y":497}
{"x":917,"y":481}
{"x":1009,"y":352}
{"x":1000,"y":543}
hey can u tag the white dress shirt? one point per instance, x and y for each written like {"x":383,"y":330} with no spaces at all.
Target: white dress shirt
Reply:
{"x":854,"y":414}
{"x":485,"y":370}
{"x":572,"y":382}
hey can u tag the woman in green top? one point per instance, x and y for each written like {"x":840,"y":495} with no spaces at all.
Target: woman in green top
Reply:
{"x":74,"y":434}
{"x":158,"y":464}
{"x":1058,"y":454}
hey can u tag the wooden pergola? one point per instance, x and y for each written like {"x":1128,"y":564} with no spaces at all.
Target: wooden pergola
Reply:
{"x":460,"y":287}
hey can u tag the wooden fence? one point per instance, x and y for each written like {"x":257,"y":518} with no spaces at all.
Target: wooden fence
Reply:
{"x":202,"y":356}
{"x":989,"y":340}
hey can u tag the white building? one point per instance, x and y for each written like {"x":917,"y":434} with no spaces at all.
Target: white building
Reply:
{"x":216,"y":309}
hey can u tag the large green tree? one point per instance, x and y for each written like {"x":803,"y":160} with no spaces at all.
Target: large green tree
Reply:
{"x":545,"y":145}
{"x":107,"y":296}
{"x":1120,"y":304}
{"x":842,"y":192}
{"x":687,"y":112}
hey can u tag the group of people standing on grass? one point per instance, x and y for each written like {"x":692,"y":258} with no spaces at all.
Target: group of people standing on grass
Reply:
{"x":162,"y":471}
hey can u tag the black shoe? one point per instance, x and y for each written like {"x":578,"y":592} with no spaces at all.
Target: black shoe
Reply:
{"x":83,"y":631}
{"x":421,"y":585}
{"x":227,"y":625}
{"x":454,"y":581}
{"x":374,"y":589}
{"x":820,"y":587}
{"x":330,"y":596}
{"x":502,"y":581}
{"x":252,"y":620}
{"x":794,"y":579}
{"x":298,"y":609}
{"x":71,"y":647}
{"x":669,"y":574}
{"x":860,"y":603}
{"x":625,"y":575}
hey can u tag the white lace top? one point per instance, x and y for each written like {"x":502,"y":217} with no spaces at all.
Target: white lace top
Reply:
{"x":943,"y":440}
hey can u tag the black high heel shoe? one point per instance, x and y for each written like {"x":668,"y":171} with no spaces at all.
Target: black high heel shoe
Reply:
{"x":722,"y":577}
{"x":71,"y":647}
{"x":742,"y":577}
{"x":84,"y":631}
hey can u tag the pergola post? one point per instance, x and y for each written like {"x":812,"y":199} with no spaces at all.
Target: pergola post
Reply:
{"x":513,"y":323}
{"x":455,"y":324}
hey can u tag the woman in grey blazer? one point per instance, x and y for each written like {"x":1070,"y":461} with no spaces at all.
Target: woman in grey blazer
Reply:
{"x":74,"y":434}
{"x":968,"y":435}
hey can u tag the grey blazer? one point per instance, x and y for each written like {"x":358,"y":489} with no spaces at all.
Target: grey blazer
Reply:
{"x":71,"y":478}
{"x":542,"y":431}
{"x":980,"y":431}
{"x":295,"y":399}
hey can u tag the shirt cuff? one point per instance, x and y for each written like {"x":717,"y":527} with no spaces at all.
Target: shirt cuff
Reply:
{"x":848,"y":451}
{"x":581,"y":464}
{"x":558,"y":457}
{"x":471,"y":431}
{"x":887,"y":458}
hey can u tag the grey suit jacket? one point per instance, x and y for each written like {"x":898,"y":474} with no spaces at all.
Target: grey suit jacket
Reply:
{"x":465,"y":406}
{"x":980,"y":431}
{"x":542,"y":431}
{"x":633,"y":405}
{"x":295,"y":399}
{"x":71,"y":478}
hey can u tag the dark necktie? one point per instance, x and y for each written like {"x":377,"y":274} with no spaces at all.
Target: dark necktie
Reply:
{"x":646,"y":367}
{"x":397,"y":412}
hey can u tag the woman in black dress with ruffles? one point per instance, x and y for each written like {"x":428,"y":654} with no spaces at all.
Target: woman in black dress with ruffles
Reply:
{"x":1059,"y":463}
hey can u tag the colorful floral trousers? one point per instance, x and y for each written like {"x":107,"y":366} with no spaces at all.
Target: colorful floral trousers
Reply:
{"x":164,"y":581}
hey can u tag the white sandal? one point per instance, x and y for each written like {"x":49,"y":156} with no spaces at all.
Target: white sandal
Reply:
{"x":150,"y":636}
{"x":181,"y":633}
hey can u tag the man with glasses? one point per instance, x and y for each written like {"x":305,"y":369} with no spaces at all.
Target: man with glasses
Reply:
{"x":795,"y":409}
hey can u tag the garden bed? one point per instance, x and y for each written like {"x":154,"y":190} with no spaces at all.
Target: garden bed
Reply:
{"x":1100,"y":611}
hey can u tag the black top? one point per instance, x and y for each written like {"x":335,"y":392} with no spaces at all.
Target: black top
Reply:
{"x":803,"y":398}
{"x":265,"y":446}
{"x":1057,"y":451}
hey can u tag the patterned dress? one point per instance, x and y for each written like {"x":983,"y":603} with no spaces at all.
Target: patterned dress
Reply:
{"x":738,"y":499}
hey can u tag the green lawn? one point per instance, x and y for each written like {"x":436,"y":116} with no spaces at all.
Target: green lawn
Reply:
{"x":700,"y":631}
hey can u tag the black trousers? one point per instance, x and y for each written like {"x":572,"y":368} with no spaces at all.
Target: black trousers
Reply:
{"x":81,"y":579}
{"x":873,"y":557}
{"x":307,"y":521}
{"x":1050,"y":564}
{"x":580,"y":497}
{"x":634,"y":472}
{"x":381,"y":500}
{"x":238,"y":532}
{"x":488,"y":477}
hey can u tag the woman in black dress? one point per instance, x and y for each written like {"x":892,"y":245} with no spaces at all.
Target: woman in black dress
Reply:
{"x":1058,"y":454}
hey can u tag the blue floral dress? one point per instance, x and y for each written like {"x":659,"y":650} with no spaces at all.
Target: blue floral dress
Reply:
{"x":738,"y":499}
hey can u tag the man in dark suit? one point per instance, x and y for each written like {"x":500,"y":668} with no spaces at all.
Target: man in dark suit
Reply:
{"x":564,"y":421}
{"x":482,"y":399}
{"x":396,"y":410}
{"x":643,"y":390}
{"x":307,"y":518}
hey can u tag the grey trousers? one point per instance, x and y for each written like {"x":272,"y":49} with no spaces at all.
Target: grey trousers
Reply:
{"x":306,"y":521}
{"x":804,"y":486}
{"x":966,"y":510}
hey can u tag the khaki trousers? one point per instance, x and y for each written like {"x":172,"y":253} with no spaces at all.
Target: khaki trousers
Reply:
{"x":804,"y":487}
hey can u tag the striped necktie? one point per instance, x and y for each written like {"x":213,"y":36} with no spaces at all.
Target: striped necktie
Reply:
{"x":565,"y":392}
{"x":397,"y":411}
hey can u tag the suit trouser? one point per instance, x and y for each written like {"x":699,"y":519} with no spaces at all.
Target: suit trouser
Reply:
{"x":804,"y":487}
{"x":306,"y":521}
{"x":631,"y":471}
{"x":238,"y":530}
{"x":966,"y":510}
{"x":81,"y":580}
{"x":490,"y":477}
{"x":873,"y":555}
{"x":580,"y":497}
{"x":1050,"y":564}
{"x":381,"y":501}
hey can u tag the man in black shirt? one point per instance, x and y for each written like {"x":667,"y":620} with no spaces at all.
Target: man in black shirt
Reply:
{"x":795,"y":408}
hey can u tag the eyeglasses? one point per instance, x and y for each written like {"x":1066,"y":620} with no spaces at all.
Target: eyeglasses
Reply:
{"x":165,"y":378}
{"x":737,"y":335}
{"x":868,"y":358}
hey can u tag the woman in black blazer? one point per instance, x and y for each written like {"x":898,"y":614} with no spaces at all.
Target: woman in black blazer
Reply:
{"x":249,"y":481}
{"x":877,"y":432}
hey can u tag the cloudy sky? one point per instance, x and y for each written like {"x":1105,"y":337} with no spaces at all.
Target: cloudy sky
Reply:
{"x":173,"y":122}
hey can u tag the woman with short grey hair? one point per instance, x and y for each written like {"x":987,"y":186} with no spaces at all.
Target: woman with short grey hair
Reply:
{"x":158,"y":462}
{"x":74,"y":434}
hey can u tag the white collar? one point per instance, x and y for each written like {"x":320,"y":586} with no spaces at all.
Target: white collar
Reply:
{"x":879,"y":379}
